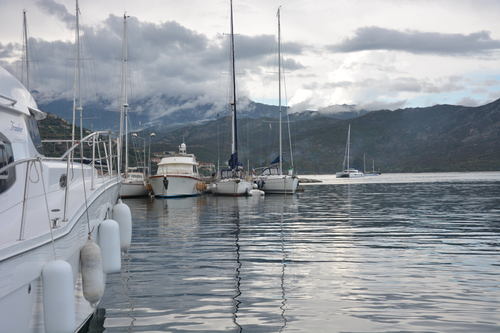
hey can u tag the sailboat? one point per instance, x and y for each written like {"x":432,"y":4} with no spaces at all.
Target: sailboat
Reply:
{"x":373,"y":172}
{"x":347,"y":171}
{"x":231,"y":181}
{"x":272,"y":180}
{"x":134,"y":182}
{"x":63,"y":227}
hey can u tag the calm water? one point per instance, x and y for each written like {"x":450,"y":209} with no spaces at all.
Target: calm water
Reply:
{"x":394,"y":253}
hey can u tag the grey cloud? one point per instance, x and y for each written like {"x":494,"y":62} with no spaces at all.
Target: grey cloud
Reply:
{"x":377,"y":38}
{"x":168,"y":59}
{"x":467,"y":101}
{"x":380,"y":105}
{"x":7,"y":50}
{"x":410,"y":84}
{"x":60,"y":11}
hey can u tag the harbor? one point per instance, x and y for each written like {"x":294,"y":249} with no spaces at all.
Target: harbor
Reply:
{"x":409,"y":253}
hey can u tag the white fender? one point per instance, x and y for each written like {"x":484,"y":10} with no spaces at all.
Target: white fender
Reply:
{"x":92,"y":279}
{"x":255,"y":192}
{"x":109,"y":242}
{"x":122,"y":215}
{"x":58,"y":297}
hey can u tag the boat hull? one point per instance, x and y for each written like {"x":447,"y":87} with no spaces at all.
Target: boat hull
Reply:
{"x":178,"y":186}
{"x":21,"y":291}
{"x":231,"y":187}
{"x":349,"y":174}
{"x":133,"y":189}
{"x":277,"y":184}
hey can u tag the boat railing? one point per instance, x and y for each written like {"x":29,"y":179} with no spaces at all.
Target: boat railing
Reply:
{"x":12,"y":101}
{"x":105,"y":159}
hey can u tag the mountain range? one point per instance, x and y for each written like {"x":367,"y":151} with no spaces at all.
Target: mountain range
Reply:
{"x":428,"y":139}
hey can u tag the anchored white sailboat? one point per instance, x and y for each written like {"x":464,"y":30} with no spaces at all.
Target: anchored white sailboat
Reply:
{"x":347,"y":170}
{"x":231,"y":181}
{"x":272,"y":179}
{"x":372,"y":172}
{"x":63,"y":227}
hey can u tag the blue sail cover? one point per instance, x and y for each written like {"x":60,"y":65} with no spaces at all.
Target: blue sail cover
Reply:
{"x":276,"y":160}
{"x":233,"y":161}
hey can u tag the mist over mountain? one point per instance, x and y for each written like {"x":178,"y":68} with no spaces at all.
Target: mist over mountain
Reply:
{"x":176,"y":112}
{"x":437,"y":138}
{"x":430,"y":139}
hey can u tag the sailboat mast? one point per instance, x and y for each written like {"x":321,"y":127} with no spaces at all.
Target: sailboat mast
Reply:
{"x":279,"y":90}
{"x":25,"y":24}
{"x":74,"y":75}
{"x":80,"y":109}
{"x":234,"y":138}
{"x":348,"y":147}
{"x":124,"y":104}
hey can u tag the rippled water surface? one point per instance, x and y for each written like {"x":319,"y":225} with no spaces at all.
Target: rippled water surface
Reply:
{"x":393,"y":253}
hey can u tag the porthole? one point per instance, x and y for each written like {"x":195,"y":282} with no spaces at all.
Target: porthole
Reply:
{"x":63,"y":181}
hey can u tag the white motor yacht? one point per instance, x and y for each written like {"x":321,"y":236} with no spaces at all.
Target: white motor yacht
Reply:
{"x":62,"y":225}
{"x":177,"y":176}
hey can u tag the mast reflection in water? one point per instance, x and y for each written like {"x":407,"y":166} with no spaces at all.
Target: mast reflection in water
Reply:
{"x":399,"y":253}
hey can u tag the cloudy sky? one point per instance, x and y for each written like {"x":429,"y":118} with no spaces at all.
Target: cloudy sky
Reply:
{"x":374,"y":54}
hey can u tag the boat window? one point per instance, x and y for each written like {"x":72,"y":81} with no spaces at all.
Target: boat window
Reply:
{"x":226,"y":173}
{"x":7,"y":177}
{"x":34,"y":133}
{"x":270,"y":171}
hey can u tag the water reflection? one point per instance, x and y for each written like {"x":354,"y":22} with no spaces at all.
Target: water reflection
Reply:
{"x":95,"y":323}
{"x":236,"y":221}
{"x":350,"y":257}
{"x":125,"y":283}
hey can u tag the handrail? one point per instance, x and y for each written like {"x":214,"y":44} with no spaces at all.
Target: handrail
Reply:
{"x":111,"y":158}
{"x":13,"y":101}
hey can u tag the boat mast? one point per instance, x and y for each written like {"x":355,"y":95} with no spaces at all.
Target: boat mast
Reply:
{"x":25,"y":30}
{"x":77,"y":66}
{"x":124,"y":103}
{"x":279,"y":88}
{"x":364,"y":162}
{"x":234,"y":138}
{"x":348,"y":146}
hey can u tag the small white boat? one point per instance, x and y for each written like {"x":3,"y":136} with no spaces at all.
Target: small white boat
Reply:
{"x":177,"y":176}
{"x":272,"y":180}
{"x":350,"y":173}
{"x":232,"y":181}
{"x":135,"y":185}
{"x":373,"y":172}
{"x":347,"y":170}
{"x":53,"y":211}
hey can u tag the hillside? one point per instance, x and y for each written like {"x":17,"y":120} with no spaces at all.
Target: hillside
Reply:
{"x":438,"y":138}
